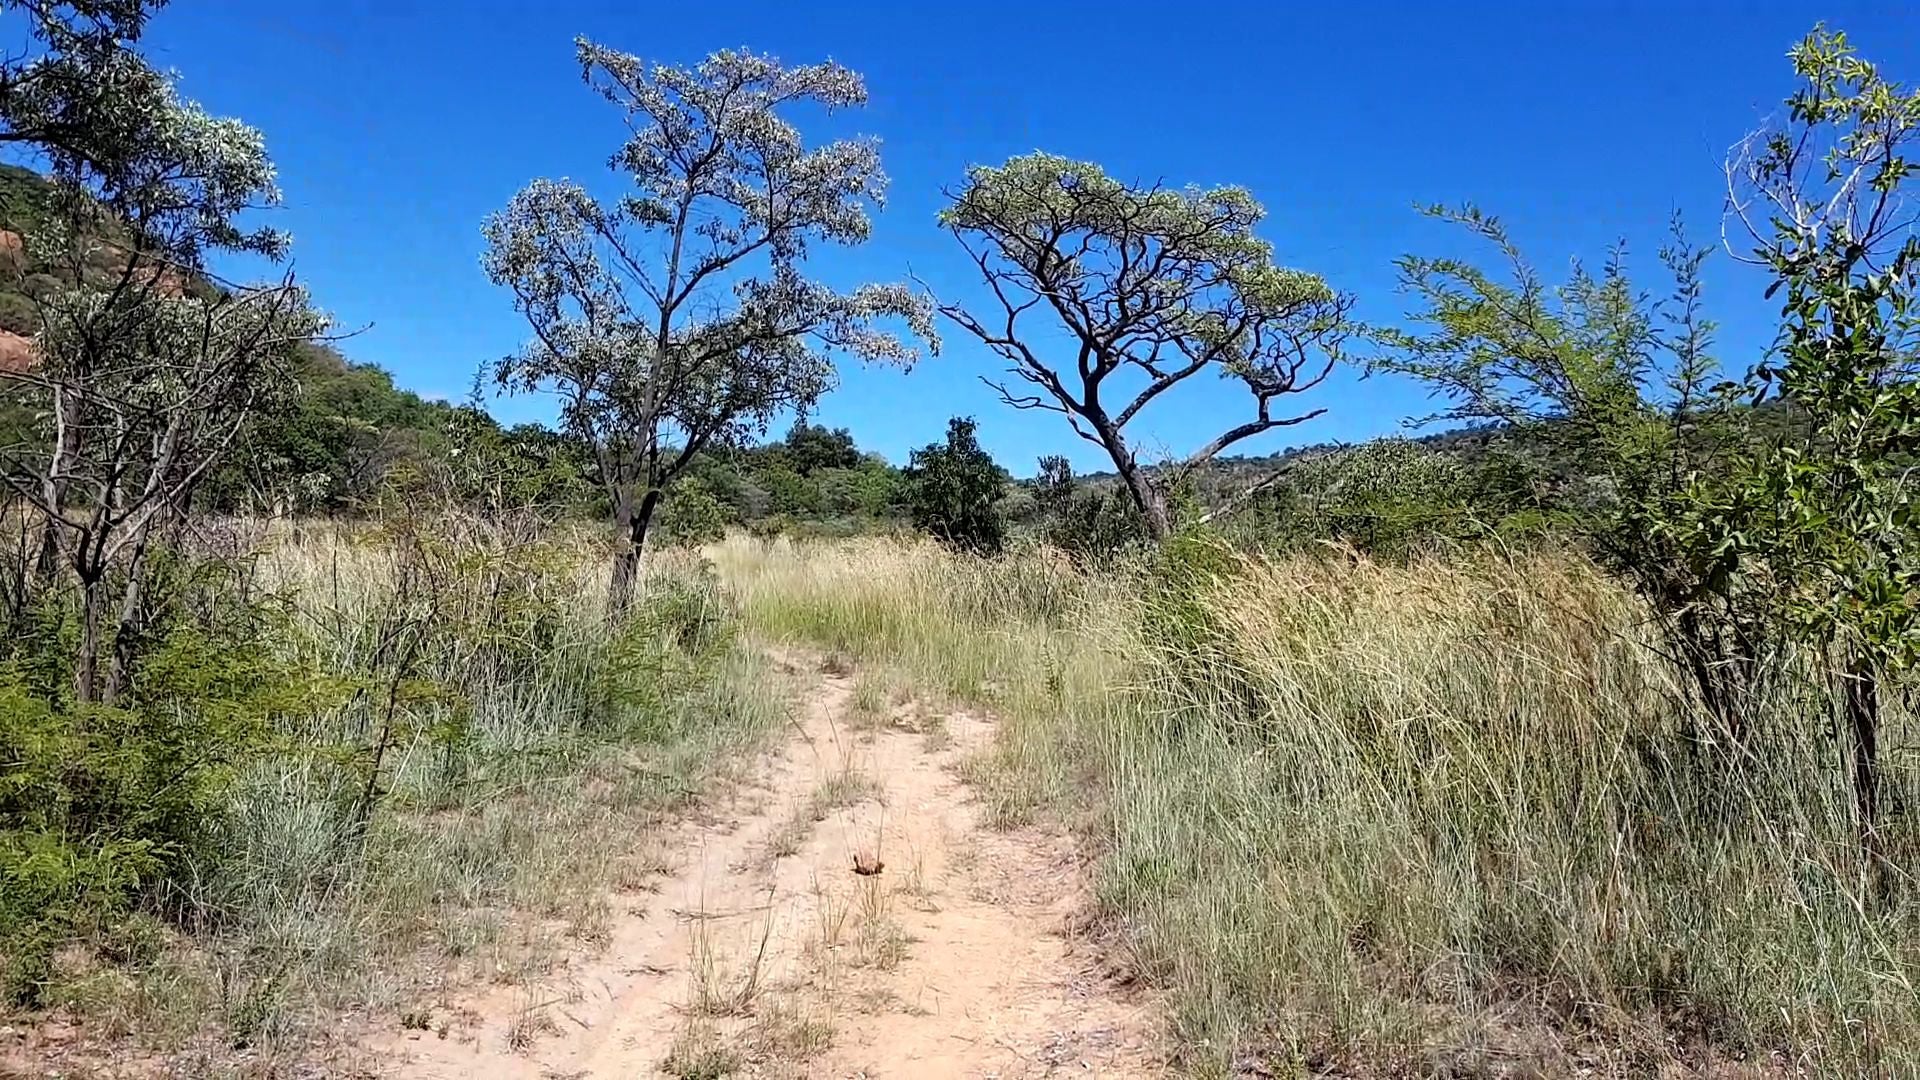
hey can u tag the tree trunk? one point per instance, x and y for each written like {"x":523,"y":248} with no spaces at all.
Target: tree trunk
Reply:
{"x":130,"y":626}
{"x":1862,"y":705}
{"x":46,"y":562}
{"x":1717,"y":673}
{"x":86,"y":661}
{"x":626,"y":569}
{"x":626,"y":561}
{"x":1153,"y":507}
{"x":643,"y":521}
{"x":1150,"y":501}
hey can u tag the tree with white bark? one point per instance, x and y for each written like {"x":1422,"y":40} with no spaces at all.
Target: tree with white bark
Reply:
{"x":145,"y":367}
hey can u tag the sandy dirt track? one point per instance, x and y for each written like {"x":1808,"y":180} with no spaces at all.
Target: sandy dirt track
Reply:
{"x":765,"y":953}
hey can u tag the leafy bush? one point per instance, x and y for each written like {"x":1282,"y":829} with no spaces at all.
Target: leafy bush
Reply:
{"x":952,"y":491}
{"x":1093,"y":525}
{"x":670,"y":649}
{"x":691,"y":515}
{"x":1756,"y":544}
{"x":1389,"y":498}
{"x":100,"y":803}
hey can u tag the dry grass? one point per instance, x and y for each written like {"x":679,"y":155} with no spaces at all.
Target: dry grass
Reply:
{"x":471,"y":867}
{"x":787,"y":1033}
{"x":879,"y":941}
{"x":856,"y":928}
{"x":847,"y":786}
{"x":1441,"y":818}
{"x":869,"y":706}
{"x":724,"y":983}
{"x":700,"y":1053}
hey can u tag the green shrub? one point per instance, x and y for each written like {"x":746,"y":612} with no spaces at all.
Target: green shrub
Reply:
{"x":19,"y":314}
{"x":691,"y":515}
{"x":1093,"y":525}
{"x":953,"y":489}
{"x":670,"y":648}
{"x":100,"y":803}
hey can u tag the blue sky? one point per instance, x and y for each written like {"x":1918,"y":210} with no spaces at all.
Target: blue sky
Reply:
{"x":398,"y":126}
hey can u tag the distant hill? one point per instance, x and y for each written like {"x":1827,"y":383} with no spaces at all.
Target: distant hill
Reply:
{"x":1233,"y":472}
{"x":1544,"y":457}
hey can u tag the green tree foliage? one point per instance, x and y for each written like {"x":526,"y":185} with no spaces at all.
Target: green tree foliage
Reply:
{"x":953,"y":491}
{"x":1594,"y":373}
{"x":812,"y":480}
{"x":1824,"y":515}
{"x":811,"y":447}
{"x":694,"y":515}
{"x":1388,"y":497}
{"x":868,"y":490}
{"x":128,"y":684}
{"x":1153,"y":287}
{"x":98,"y":802}
{"x":143,"y":372}
{"x":474,"y":463}
{"x":348,"y":437}
{"x":1092,"y":523}
{"x":1588,"y":369}
{"x":1762,"y":535}
{"x":679,"y":318}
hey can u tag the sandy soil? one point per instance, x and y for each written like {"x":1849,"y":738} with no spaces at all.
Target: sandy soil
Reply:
{"x":764,"y":952}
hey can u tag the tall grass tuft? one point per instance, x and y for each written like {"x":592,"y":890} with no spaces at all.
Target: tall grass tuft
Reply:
{"x":1456,"y":816}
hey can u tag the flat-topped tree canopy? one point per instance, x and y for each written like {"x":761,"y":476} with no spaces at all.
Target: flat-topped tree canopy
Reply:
{"x":1158,"y":283}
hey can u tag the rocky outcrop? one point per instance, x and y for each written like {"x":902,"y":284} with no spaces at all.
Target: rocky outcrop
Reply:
{"x":17,"y":352}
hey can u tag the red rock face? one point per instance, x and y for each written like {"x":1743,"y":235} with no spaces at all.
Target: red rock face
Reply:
{"x":165,"y":280}
{"x":16,"y":352}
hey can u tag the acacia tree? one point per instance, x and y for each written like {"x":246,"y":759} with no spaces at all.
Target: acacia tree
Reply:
{"x":1154,"y":287}
{"x":678,"y":318}
{"x":1626,"y":388}
{"x":1759,"y":548}
{"x":89,"y":90}
{"x":145,"y":368}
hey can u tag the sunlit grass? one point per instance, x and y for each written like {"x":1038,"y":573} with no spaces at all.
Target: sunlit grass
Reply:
{"x":521,"y":730}
{"x":1444,"y":817}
